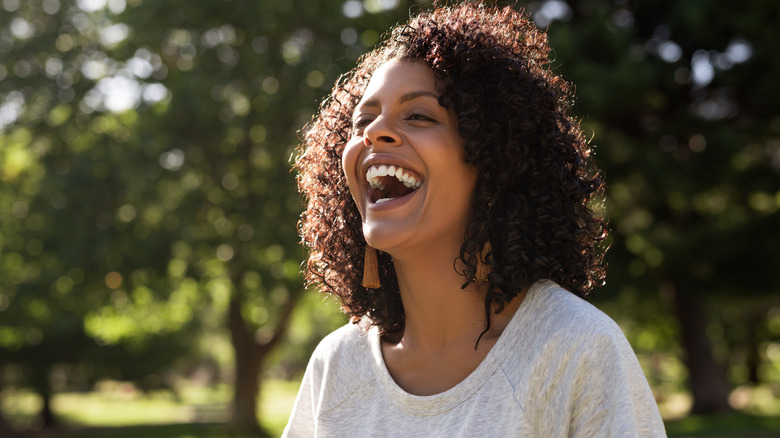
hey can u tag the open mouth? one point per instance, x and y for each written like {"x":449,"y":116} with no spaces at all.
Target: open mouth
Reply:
{"x":388,"y":182}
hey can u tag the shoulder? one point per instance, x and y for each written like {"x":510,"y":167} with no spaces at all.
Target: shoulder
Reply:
{"x":340,"y":341}
{"x":339,"y":364}
{"x":573,"y":362}
{"x":346,"y":346}
{"x":561,"y":331}
{"x":559,"y":314}
{"x":336,"y":368}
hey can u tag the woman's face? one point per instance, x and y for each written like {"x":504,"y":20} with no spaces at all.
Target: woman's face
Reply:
{"x":404,"y":163}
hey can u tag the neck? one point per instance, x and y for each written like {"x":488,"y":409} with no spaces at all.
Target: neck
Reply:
{"x":440,"y":314}
{"x":435,"y":351}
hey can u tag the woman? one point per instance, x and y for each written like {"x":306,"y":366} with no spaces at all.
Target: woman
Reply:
{"x":451,"y":149}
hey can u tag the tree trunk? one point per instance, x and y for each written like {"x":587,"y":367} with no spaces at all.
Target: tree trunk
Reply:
{"x":755,"y":324}
{"x":754,"y":320}
{"x":247,"y":376}
{"x":49,"y":420}
{"x":5,"y":428}
{"x":42,"y":385}
{"x":706,"y":378}
{"x":250,"y":355}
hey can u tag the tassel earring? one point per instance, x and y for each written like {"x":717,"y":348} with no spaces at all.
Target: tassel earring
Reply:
{"x":371,"y":269}
{"x":483,"y":269}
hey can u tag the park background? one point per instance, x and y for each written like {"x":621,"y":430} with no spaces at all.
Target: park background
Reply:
{"x":149,"y":260}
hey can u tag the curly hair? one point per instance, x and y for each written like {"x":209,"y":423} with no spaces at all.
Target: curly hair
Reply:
{"x":537,"y":192}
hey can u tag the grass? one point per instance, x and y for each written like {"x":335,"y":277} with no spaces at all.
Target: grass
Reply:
{"x":117,"y":410}
{"x":276,"y":403}
{"x":733,"y":425}
{"x":183,"y":430}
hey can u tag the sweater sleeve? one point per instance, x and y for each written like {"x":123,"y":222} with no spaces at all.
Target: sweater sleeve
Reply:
{"x":301,"y":421}
{"x":334,"y":371}
{"x":592,"y":385}
{"x":611,"y":397}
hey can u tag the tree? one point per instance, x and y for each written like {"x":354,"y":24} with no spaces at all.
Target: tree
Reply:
{"x":68,"y":203}
{"x":685,"y":117}
{"x":243,"y":80}
{"x":162,"y":135}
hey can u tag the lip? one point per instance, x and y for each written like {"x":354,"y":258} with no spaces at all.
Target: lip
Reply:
{"x":388,"y":159}
{"x":391,"y":204}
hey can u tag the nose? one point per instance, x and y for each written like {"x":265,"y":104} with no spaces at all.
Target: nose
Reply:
{"x":380,"y":132}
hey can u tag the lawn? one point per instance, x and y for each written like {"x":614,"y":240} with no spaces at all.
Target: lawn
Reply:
{"x":734,"y":425}
{"x":117,"y":410}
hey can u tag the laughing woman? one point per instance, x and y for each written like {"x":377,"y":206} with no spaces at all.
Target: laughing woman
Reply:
{"x":449,"y":209}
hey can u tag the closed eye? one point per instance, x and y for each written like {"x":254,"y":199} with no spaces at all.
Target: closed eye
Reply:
{"x":420,"y":117}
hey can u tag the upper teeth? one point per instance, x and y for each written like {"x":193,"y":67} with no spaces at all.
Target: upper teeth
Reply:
{"x":405,"y":176}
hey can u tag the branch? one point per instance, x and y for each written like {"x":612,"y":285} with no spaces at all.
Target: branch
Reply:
{"x":281,"y":326}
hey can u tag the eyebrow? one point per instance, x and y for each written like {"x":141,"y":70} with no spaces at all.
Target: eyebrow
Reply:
{"x":374,"y":102}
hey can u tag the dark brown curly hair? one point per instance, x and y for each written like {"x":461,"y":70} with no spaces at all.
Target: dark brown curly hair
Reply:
{"x":536,"y":195}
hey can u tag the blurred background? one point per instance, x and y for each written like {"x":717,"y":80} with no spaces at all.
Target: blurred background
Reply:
{"x":149,"y":257}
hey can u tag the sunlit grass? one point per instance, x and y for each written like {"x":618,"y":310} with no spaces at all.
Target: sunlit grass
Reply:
{"x":116,"y":404}
{"x":102,"y":410}
{"x":729,"y":425}
{"x":276,"y":403}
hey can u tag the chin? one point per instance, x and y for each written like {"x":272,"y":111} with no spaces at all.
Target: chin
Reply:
{"x":383,"y":239}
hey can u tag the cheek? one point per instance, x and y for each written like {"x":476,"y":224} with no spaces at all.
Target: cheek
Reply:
{"x":349,"y":163}
{"x":349,"y":158}
{"x":467,"y":181}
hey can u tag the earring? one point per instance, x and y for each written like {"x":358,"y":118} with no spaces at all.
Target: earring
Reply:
{"x":371,"y":269}
{"x":483,"y":269}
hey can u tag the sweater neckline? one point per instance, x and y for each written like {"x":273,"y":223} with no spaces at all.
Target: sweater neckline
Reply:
{"x":427,"y":405}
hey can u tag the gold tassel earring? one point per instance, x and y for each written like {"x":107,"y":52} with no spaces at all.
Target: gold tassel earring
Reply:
{"x":371,"y":269}
{"x":483,"y":269}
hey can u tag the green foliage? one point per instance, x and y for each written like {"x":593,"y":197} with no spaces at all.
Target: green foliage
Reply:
{"x":679,"y":102}
{"x":686,"y":124}
{"x":145,"y":155}
{"x":314,"y":318}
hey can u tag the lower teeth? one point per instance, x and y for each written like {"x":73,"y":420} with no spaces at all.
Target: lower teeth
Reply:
{"x":379,"y":201}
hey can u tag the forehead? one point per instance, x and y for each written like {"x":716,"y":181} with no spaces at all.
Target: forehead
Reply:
{"x":398,"y":77}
